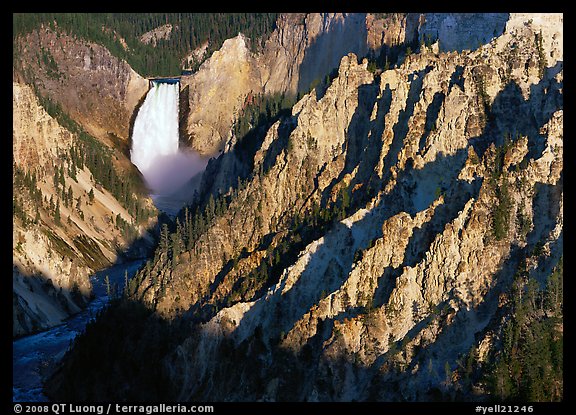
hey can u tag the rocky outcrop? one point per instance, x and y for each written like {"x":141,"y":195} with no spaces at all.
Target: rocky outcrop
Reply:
{"x":37,"y":138}
{"x":391,"y":29}
{"x":377,"y":238}
{"x":54,"y":254}
{"x":216,"y":91}
{"x":305,"y":48}
{"x":546,"y":24}
{"x":160,"y":33}
{"x":300,"y":53}
{"x":459,"y":31}
{"x":196,"y":56}
{"x":384,"y":291}
{"x":95,"y":88}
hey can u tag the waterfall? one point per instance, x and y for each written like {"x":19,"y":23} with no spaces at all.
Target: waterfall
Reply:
{"x":166,"y":169}
{"x":156,"y":127}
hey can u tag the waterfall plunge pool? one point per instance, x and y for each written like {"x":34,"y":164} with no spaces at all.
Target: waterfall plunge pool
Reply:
{"x":171,"y":174}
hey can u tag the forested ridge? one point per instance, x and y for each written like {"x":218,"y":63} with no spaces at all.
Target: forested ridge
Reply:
{"x":121,"y":32}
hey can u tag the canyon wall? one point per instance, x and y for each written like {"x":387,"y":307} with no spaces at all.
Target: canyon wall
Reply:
{"x":376,"y":243}
{"x":66,"y":224}
{"x":413,"y":276}
{"x":95,"y":88}
{"x":300,"y":53}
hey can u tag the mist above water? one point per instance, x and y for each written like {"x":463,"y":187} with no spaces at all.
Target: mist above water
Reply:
{"x":167,"y":170}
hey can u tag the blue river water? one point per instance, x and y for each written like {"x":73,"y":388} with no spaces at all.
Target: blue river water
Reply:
{"x":33,"y":355}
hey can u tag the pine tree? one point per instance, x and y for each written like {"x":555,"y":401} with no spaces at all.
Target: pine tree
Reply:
{"x":64,"y":196}
{"x":56,"y":178}
{"x":57,"y":212}
{"x":447,"y":372}
{"x":61,"y":178}
{"x":164,"y":239}
{"x":220,"y":206}
{"x":263,"y":272}
{"x":210,"y":208}
{"x":72,"y":171}
{"x":408,"y":51}
{"x":554,"y":289}
{"x":69,"y":196}
{"x":541,"y":55}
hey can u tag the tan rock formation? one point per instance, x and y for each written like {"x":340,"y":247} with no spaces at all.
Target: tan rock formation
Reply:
{"x":424,"y":279}
{"x":218,"y":91}
{"x":51,"y":261}
{"x":361,"y":259}
{"x":298,"y":55}
{"x":153,"y":36}
{"x":94,"y":88}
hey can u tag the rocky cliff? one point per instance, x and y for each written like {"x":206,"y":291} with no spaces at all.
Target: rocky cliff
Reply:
{"x":459,"y":31}
{"x":216,"y":91}
{"x":66,"y":224}
{"x":93,"y":87}
{"x":300,"y":53}
{"x":37,"y":141}
{"x":377,"y":242}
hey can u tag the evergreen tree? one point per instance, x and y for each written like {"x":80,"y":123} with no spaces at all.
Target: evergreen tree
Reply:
{"x":408,"y":51}
{"x":69,"y":196}
{"x":56,"y":178}
{"x":61,"y":178}
{"x":176,"y":243}
{"x":164,"y":239}
{"x":264,"y":272}
{"x":57,"y":212}
{"x":210,"y":209}
{"x":72,"y":172}
{"x":220,"y":206}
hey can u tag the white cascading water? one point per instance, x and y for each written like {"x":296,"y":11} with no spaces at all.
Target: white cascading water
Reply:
{"x":156,"y":126}
{"x":155,"y":151}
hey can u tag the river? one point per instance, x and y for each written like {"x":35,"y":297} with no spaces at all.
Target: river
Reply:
{"x":33,"y":355}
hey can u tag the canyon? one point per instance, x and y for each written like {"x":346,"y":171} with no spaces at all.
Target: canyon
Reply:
{"x":370,"y":240}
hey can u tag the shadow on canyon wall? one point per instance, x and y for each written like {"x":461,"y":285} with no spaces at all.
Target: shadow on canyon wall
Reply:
{"x":130,"y":353}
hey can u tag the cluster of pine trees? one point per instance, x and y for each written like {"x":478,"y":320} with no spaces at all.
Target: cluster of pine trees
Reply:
{"x":88,"y":152}
{"x":501,"y":220}
{"x":189,"y":32}
{"x":259,"y":112}
{"x":85,"y":152}
{"x":529,"y":366}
